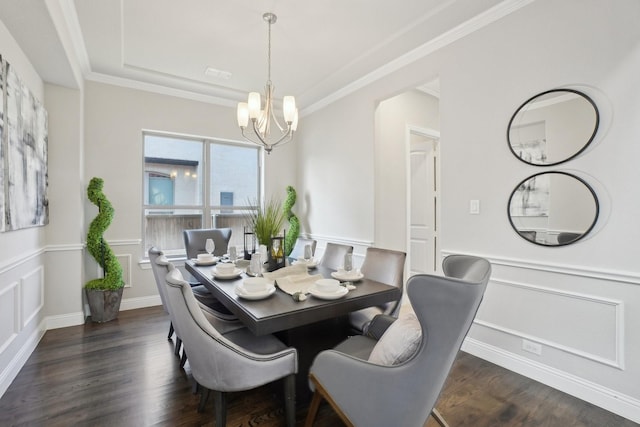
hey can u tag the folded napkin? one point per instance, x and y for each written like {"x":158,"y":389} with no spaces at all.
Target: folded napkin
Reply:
{"x":298,"y":283}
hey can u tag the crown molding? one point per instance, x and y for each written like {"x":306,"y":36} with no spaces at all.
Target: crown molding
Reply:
{"x":159,"y":89}
{"x":474,"y":24}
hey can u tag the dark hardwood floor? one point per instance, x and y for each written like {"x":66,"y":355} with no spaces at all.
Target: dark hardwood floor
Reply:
{"x":124,"y":373}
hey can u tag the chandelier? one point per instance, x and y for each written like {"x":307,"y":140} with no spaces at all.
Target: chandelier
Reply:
{"x":263,"y":119}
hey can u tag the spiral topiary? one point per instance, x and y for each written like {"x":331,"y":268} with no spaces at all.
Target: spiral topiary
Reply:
{"x":294,"y":222}
{"x":97,"y":246}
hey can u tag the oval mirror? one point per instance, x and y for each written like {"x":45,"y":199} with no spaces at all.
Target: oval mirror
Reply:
{"x":553,"y":127}
{"x":553,"y":208}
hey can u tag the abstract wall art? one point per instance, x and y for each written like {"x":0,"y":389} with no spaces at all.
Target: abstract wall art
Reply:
{"x":23,"y":152}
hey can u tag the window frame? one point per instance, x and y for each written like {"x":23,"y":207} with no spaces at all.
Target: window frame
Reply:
{"x":206,"y":206}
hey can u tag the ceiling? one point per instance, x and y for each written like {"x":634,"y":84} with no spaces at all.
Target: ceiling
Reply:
{"x":318,"y":48}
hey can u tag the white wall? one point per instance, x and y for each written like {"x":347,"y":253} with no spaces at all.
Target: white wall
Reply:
{"x":580,"y":302}
{"x":22,"y":268}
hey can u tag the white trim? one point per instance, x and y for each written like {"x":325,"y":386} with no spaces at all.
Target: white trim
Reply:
{"x":611,"y":400}
{"x":18,"y":361}
{"x":65,"y":320}
{"x":617,"y":362}
{"x":471,"y":25}
{"x":571,"y":270}
{"x":140,"y":302}
{"x":429,"y":133}
{"x":19,"y":260}
{"x":64,"y":248}
{"x":39,"y":272}
{"x":159,"y":89}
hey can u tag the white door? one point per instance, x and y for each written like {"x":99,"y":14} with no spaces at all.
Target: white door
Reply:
{"x":423,"y":201}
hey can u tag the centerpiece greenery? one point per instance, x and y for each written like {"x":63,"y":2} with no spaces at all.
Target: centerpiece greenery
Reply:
{"x":267,"y":221}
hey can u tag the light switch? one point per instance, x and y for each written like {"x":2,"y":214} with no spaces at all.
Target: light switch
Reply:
{"x":474,"y":207}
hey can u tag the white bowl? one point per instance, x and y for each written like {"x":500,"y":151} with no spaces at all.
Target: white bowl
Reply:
{"x":205,"y":257}
{"x":255,"y":284}
{"x":328,"y":285}
{"x":226,"y":268}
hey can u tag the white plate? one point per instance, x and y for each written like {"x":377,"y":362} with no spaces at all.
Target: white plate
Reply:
{"x":242,"y":293}
{"x":219,"y":275}
{"x":211,"y":262}
{"x":328,"y":295}
{"x":348,"y":277}
{"x":310,"y":264}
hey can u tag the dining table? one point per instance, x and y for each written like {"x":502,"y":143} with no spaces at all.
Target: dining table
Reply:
{"x":311,"y":325}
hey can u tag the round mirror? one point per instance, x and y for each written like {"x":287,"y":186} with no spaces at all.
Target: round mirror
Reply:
{"x":553,"y":127}
{"x":553,"y":208}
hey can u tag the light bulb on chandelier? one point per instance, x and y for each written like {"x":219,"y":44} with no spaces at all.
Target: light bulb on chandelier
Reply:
{"x":262,"y":118}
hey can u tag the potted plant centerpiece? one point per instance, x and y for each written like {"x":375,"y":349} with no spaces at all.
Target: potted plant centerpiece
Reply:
{"x":267,"y":222}
{"x":103,"y":294}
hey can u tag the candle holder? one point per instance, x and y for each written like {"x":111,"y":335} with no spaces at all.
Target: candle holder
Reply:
{"x":249,"y":243}
{"x":277,"y":253}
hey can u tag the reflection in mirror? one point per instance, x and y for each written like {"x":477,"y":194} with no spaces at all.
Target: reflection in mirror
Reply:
{"x":553,"y":209}
{"x":553,"y":127}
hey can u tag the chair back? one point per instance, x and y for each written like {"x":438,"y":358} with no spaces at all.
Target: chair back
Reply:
{"x":154,"y":254}
{"x":298,"y":248}
{"x":445,"y":308}
{"x":333,"y":256}
{"x":404,"y":395}
{"x":217,"y":363}
{"x":385,"y":266}
{"x":195,"y":240}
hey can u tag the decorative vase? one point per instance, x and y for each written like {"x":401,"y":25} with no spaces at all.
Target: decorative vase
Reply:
{"x":104,"y":304}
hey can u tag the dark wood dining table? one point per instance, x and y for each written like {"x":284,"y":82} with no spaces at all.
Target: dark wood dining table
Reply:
{"x":310,"y":326}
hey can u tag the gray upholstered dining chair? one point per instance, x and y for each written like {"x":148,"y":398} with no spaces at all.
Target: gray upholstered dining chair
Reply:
{"x":160,"y":267}
{"x":194,"y":243}
{"x":384,"y":266}
{"x":393,"y":376}
{"x":333,"y":256}
{"x":298,"y":248}
{"x":232,"y":362}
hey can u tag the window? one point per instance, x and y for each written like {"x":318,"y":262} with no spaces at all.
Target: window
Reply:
{"x":196,"y":183}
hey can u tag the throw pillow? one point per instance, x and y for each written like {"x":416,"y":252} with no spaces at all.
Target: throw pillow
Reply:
{"x":399,"y":342}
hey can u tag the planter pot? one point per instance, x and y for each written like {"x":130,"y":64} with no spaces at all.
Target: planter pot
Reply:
{"x":104,"y":305}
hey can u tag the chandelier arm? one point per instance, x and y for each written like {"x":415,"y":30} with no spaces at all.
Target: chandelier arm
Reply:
{"x":252,"y":139}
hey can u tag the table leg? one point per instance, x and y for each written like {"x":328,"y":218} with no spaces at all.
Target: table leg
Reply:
{"x":310,"y":340}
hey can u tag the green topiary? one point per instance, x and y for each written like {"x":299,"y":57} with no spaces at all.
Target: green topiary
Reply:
{"x":97,"y":246}
{"x":294,"y":223}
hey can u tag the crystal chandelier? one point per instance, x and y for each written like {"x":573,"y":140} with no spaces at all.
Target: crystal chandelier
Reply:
{"x":264,"y":119}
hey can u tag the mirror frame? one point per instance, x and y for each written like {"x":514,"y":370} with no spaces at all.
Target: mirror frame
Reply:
{"x":584,"y":146}
{"x":596,"y":214}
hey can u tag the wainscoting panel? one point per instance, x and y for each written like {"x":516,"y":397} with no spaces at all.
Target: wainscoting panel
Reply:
{"x":9,"y":314}
{"x":32,"y":291}
{"x":587,"y":326}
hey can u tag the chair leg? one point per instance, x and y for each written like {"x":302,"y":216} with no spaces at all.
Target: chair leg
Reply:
{"x":290,"y":399}
{"x":439,"y":418}
{"x":170,"y":330}
{"x":220,"y":405}
{"x":176,"y":351}
{"x":313,"y":409}
{"x":318,"y":395}
{"x":204,"y":397}
{"x":183,"y":359}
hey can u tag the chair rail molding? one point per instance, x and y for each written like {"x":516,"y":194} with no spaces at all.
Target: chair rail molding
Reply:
{"x":571,"y":270}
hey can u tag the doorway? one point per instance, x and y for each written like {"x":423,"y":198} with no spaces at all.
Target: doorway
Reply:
{"x":422,"y":201}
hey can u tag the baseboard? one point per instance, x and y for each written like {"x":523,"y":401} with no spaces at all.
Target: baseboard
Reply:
{"x":142,"y":302}
{"x":613,"y":401}
{"x":17,"y":362}
{"x":65,"y":320}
